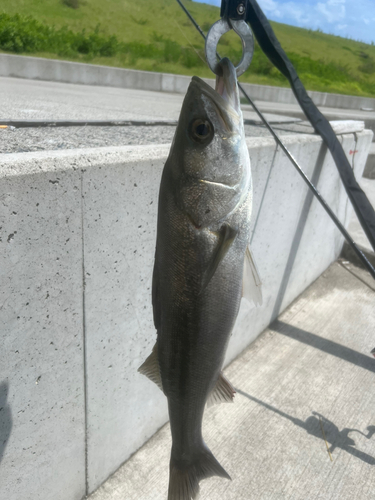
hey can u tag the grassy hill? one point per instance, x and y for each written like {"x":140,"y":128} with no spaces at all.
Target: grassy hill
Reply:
{"x":155,"y":35}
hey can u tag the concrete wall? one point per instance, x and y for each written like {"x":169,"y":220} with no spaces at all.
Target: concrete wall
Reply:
{"x":369,"y":171}
{"x":70,"y":72}
{"x":76,"y":251}
{"x":41,"y":339}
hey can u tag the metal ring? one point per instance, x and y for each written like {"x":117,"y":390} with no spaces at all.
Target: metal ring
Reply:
{"x":217,"y":30}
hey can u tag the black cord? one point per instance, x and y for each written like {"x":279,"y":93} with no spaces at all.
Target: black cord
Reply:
{"x":322,"y":201}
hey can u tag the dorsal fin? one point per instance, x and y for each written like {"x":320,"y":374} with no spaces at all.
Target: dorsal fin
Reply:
{"x":223,"y":392}
{"x":151,"y":367}
{"x":251,"y":284}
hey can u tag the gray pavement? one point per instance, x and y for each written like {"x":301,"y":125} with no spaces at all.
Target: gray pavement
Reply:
{"x":304,"y":386}
{"x":22,"y":99}
{"x":331,"y":113}
{"x":38,"y":100}
{"x":32,"y":99}
{"x":20,"y":140}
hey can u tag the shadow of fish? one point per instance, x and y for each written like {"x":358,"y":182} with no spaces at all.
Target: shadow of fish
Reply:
{"x":203,"y":228}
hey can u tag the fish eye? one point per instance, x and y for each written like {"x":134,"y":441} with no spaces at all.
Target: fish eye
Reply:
{"x":201,"y":131}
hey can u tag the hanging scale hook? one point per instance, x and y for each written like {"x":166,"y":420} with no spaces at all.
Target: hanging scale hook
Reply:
{"x":221,"y":27}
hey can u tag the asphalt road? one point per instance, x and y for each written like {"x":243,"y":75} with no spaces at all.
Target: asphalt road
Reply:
{"x":39,"y":100}
{"x":32,"y":99}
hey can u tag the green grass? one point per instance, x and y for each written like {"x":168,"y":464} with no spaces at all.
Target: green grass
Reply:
{"x":156,"y":36}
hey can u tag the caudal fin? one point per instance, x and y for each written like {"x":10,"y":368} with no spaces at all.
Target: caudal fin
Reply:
{"x":184,"y":477}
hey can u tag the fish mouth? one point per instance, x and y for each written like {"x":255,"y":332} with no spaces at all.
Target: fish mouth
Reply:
{"x":226,"y":93}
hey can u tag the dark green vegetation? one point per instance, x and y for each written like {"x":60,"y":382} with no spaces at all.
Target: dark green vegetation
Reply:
{"x":156,"y":36}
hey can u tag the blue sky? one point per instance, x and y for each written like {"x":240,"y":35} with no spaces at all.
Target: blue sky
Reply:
{"x":348,"y":18}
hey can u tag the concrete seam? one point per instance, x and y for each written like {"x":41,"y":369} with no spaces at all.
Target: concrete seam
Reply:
{"x":301,"y":224}
{"x":355,"y":137}
{"x":84,"y":339}
{"x":348,"y":202}
{"x":355,"y":275}
{"x":264,"y":192}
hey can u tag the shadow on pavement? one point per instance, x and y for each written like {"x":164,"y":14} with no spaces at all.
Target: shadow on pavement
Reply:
{"x":6,"y":421}
{"x":337,"y":438}
{"x":325,"y":345}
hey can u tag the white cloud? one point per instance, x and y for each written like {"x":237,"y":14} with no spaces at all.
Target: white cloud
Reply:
{"x":296,"y":12}
{"x":342,"y":26}
{"x":332,"y":10}
{"x":270,"y":7}
{"x":303,"y":13}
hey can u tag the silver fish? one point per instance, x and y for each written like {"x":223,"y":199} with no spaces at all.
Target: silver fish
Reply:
{"x":203,"y":229}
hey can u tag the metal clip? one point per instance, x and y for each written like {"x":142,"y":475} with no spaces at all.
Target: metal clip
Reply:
{"x":221,"y":27}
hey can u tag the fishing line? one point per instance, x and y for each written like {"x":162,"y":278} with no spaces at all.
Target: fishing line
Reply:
{"x":321,"y":200}
{"x":188,"y":41}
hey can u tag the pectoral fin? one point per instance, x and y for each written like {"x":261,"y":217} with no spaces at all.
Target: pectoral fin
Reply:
{"x":151,"y":367}
{"x":227,"y":235}
{"x":223,"y":392}
{"x":251,"y":285}
{"x":156,"y":306}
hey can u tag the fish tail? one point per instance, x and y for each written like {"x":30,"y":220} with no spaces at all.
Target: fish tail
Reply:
{"x":184,"y":476}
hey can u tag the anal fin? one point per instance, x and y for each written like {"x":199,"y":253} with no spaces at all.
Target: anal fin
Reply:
{"x":151,"y":367}
{"x":223,"y":392}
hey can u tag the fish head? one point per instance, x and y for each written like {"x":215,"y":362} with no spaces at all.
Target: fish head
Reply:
{"x":209,"y":158}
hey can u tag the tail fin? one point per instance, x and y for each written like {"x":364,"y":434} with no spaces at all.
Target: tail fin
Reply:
{"x":184,"y":477}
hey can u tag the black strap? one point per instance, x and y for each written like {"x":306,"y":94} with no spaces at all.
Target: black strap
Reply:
{"x":273,"y":50}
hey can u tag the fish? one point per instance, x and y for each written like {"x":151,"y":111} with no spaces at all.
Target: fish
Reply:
{"x":201,"y":257}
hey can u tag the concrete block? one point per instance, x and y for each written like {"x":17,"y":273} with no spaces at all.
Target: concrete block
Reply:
{"x":181,"y":84}
{"x":148,"y":81}
{"x":41,"y":340}
{"x":369,"y":171}
{"x":120,"y":208}
{"x":168,"y":83}
{"x":318,"y":98}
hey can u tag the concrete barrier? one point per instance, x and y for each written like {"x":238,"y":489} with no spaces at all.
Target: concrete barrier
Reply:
{"x":369,"y":171}
{"x":77,"y":246}
{"x":38,"y":68}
